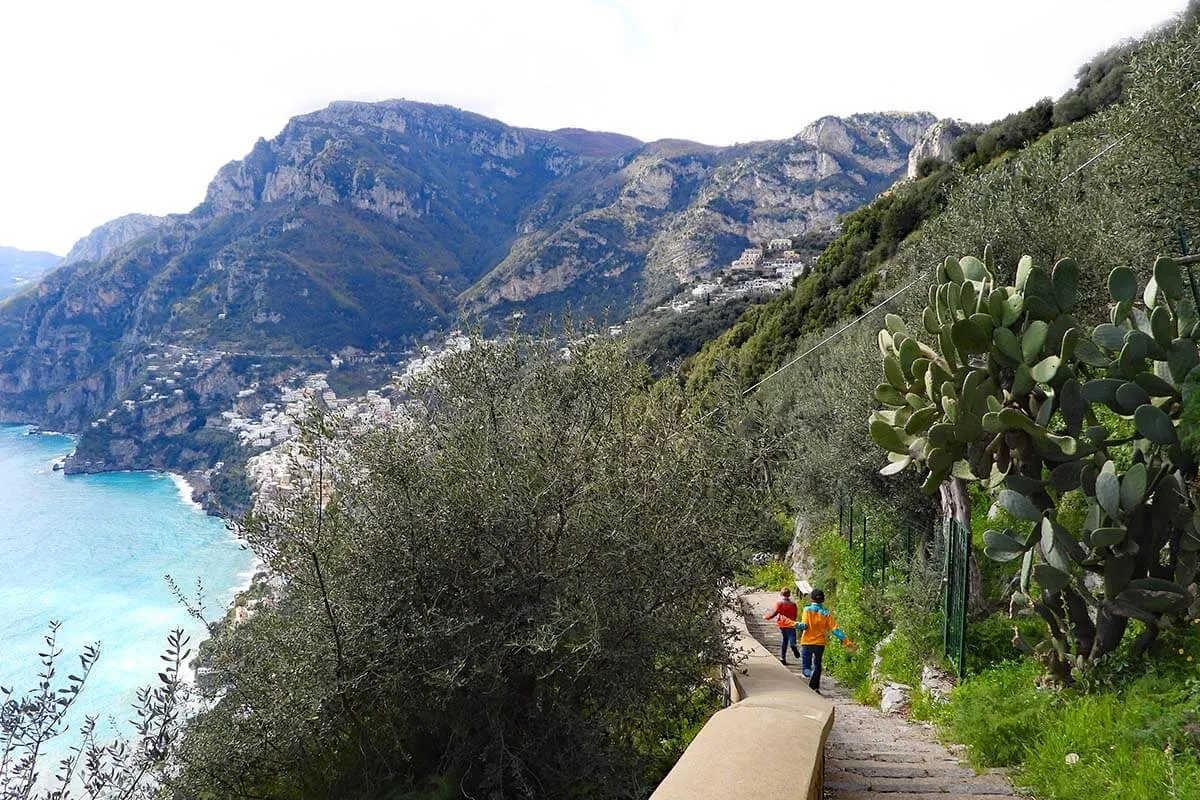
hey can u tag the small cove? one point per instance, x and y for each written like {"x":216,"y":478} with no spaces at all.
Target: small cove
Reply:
{"x":92,"y":552}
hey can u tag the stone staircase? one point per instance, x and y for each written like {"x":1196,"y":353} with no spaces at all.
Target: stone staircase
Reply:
{"x":875,"y":756}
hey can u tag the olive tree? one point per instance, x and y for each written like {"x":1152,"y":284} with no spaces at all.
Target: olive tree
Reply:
{"x":515,"y":591}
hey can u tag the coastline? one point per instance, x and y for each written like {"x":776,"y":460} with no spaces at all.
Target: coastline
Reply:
{"x":249,"y":586}
{"x":192,"y":489}
{"x":107,"y":539}
{"x":187,"y":491}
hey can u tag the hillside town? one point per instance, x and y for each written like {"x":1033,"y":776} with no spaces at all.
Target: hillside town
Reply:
{"x":766,"y":269}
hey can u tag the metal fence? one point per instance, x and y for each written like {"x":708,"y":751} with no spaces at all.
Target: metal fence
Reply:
{"x":886,"y":551}
{"x":957,"y":538}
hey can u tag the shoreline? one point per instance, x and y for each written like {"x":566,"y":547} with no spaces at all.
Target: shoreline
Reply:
{"x":192,"y":491}
{"x":187,"y":491}
{"x":245,"y":579}
{"x":153,"y":517}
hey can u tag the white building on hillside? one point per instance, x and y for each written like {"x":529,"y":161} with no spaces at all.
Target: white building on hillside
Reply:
{"x":779,"y":245}
{"x":750,"y":258}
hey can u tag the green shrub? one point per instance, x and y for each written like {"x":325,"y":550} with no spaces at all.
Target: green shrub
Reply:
{"x":1000,"y":714}
{"x":990,"y":640}
{"x":902,"y":659}
{"x":773,"y":575}
{"x":520,"y":591}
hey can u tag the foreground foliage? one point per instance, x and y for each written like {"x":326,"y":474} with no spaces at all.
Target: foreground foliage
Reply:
{"x":1136,"y":740}
{"x":1056,"y":417}
{"x":517,"y":594}
{"x":36,"y":723}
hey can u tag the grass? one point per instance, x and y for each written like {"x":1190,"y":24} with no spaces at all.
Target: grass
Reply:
{"x":1098,"y":747}
{"x":999,"y":714}
{"x":1137,"y":740}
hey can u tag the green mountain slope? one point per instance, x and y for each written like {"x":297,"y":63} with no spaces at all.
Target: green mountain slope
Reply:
{"x":846,"y":277}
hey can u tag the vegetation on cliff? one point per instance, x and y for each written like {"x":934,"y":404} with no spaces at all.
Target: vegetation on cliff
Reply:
{"x":517,"y":595}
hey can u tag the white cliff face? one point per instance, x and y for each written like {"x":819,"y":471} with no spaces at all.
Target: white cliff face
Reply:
{"x":936,"y":141}
{"x":111,"y":236}
{"x":828,"y":134}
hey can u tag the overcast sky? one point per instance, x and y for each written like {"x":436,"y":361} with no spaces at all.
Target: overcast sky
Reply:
{"x":121,"y":106}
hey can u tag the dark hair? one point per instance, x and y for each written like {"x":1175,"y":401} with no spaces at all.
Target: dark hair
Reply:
{"x":817,"y":596}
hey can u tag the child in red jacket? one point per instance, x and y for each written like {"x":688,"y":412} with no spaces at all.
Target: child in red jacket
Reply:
{"x":785,"y":616}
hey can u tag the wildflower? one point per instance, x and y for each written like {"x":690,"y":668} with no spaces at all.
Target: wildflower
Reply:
{"x":1182,"y":651}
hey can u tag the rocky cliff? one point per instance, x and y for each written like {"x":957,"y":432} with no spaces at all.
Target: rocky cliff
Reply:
{"x":936,"y":141}
{"x":111,"y":236}
{"x":676,"y":209}
{"x":371,"y":225}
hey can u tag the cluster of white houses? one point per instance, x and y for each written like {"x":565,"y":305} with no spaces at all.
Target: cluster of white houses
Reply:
{"x":777,"y":254}
{"x":758,"y":270}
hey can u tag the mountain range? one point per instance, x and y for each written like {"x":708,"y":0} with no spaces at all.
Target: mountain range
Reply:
{"x":371,"y":225}
{"x":21,"y":268}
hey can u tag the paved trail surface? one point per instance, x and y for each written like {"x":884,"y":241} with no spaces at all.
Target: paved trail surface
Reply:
{"x":875,"y":756}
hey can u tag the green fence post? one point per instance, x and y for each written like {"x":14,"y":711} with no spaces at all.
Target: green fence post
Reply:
{"x":864,"y":560}
{"x":945,"y":587}
{"x":850,"y":525}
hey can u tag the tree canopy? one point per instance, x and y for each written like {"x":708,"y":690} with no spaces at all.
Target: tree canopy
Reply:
{"x":515,"y":594}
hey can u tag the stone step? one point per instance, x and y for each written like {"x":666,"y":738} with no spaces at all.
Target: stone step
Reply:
{"x":869,"y":795}
{"x":917,"y":769}
{"x":881,"y":745}
{"x":986,"y":786}
{"x":844,"y":756}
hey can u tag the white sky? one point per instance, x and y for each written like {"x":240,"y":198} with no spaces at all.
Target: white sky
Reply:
{"x":122,"y":106}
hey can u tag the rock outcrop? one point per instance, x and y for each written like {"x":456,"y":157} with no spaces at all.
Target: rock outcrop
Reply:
{"x":935,"y":142}
{"x":111,"y":236}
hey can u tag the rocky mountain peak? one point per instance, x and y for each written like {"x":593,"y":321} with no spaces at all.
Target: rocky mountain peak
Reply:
{"x":111,"y":236}
{"x":378,"y":157}
{"x":861,"y":134}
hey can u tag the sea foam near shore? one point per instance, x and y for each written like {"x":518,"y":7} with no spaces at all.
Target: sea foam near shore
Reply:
{"x":186,"y":491}
{"x":91,"y":551}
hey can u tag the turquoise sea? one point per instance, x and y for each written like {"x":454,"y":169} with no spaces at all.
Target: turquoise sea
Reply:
{"x":91,"y":551}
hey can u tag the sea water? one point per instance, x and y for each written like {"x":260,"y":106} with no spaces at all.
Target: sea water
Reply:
{"x":91,"y":552}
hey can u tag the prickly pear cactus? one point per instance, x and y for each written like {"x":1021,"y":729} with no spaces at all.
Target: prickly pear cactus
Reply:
{"x":1003,"y":385}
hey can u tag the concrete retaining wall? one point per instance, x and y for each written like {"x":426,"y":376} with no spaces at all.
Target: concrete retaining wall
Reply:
{"x":770,"y":743}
